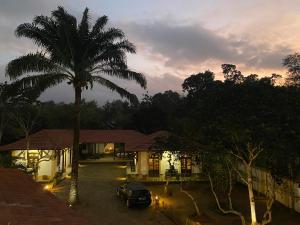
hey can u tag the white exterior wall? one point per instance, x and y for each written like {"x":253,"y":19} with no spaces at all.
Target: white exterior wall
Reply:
{"x":100,"y":148}
{"x":288,"y":193}
{"x":297,"y":197}
{"x":45,"y":169}
{"x":196,"y":169}
{"x":68,"y":153}
{"x":143,"y":162}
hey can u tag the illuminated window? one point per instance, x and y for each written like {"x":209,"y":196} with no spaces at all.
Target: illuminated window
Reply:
{"x":186,"y":165}
{"x":153,"y":165}
{"x":33,"y":158}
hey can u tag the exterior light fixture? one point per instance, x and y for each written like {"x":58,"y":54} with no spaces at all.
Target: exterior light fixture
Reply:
{"x":156,"y":200}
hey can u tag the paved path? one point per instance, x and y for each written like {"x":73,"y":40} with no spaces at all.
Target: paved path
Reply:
{"x":99,"y":203}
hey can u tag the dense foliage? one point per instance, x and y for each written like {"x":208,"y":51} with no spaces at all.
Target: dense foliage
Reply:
{"x":212,"y":113}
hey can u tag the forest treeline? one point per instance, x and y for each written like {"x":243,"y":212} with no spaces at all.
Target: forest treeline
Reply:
{"x":211,"y":112}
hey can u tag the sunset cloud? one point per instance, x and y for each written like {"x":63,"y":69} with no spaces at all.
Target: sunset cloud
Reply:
{"x":174,"y":38}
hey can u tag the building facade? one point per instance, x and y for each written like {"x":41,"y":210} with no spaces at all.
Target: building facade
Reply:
{"x":50,"y":154}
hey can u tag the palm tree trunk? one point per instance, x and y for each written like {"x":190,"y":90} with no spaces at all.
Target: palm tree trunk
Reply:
{"x":73,"y":195}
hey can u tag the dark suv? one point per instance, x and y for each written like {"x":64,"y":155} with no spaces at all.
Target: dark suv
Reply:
{"x":135,"y":194}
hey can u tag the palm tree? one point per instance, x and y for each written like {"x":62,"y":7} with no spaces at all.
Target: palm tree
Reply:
{"x":77,"y":53}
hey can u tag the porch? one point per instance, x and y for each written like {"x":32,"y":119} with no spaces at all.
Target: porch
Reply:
{"x":163,"y":166}
{"x":163,"y":178}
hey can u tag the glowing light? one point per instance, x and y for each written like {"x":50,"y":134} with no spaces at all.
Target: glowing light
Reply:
{"x":121,"y":178}
{"x":47,"y":187}
{"x":33,"y":151}
{"x":121,"y":167}
{"x":156,"y":198}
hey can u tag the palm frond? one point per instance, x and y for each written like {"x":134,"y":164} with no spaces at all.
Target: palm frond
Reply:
{"x":36,"y":62}
{"x":127,"y":74}
{"x":39,"y":82}
{"x":99,"y":25}
{"x":113,"y":87}
{"x":61,"y":16}
{"x":45,"y":22}
{"x":109,"y":35}
{"x":84,"y":25}
{"x":69,"y":41}
{"x":31,"y":31}
{"x":126,"y":45}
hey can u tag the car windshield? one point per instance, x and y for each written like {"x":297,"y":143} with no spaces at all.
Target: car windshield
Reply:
{"x":140,"y":192}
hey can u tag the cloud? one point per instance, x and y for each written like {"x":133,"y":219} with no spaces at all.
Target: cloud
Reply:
{"x":185,"y":45}
{"x":255,"y":35}
{"x":14,"y":13}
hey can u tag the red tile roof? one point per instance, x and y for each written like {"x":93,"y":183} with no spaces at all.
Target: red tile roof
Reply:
{"x":24,"y":202}
{"x":148,"y":142}
{"x":48,"y":139}
{"x":44,"y":140}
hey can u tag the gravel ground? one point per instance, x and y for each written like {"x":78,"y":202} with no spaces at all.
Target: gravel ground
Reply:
{"x":98,"y":200}
{"x":100,"y":205}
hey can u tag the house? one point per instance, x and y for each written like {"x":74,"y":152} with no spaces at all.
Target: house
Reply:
{"x":23,"y":201}
{"x":150,"y":163}
{"x":50,"y":153}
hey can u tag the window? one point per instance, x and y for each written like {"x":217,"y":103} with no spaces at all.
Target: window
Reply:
{"x":33,"y":158}
{"x":186,"y":165}
{"x":153,"y":165}
{"x":132,"y":165}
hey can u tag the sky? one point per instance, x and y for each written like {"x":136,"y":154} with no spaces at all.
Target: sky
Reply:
{"x":174,"y":38}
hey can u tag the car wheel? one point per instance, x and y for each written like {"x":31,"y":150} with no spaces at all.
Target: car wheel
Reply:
{"x":128,"y":204}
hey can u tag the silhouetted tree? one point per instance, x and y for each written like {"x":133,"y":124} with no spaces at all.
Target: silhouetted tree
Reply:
{"x":77,"y":53}
{"x":292,"y":63}
{"x":231,"y":74}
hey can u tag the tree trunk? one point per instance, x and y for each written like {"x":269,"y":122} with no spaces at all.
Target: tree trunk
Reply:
{"x":2,"y":124}
{"x":251,"y":196}
{"x":231,"y":210}
{"x":1,"y":134}
{"x":27,"y":140}
{"x":73,"y":195}
{"x":192,"y":198}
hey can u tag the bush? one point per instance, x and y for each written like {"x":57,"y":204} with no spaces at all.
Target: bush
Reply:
{"x":6,"y":160}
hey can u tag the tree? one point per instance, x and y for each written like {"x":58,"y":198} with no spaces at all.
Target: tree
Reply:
{"x":199,"y":82}
{"x":9,"y":96}
{"x":292,"y":63}
{"x":231,"y":74}
{"x":247,"y":153}
{"x":221,"y":175}
{"x":25,"y":115}
{"x":76,"y":53}
{"x":3,"y":108}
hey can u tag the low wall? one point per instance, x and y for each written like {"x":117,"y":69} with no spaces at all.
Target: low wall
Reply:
{"x":287,"y":193}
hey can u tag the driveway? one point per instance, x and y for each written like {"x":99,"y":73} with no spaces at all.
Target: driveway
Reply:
{"x":98,"y":200}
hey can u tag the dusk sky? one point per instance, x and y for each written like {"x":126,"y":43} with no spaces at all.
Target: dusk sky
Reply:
{"x":174,"y":38}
